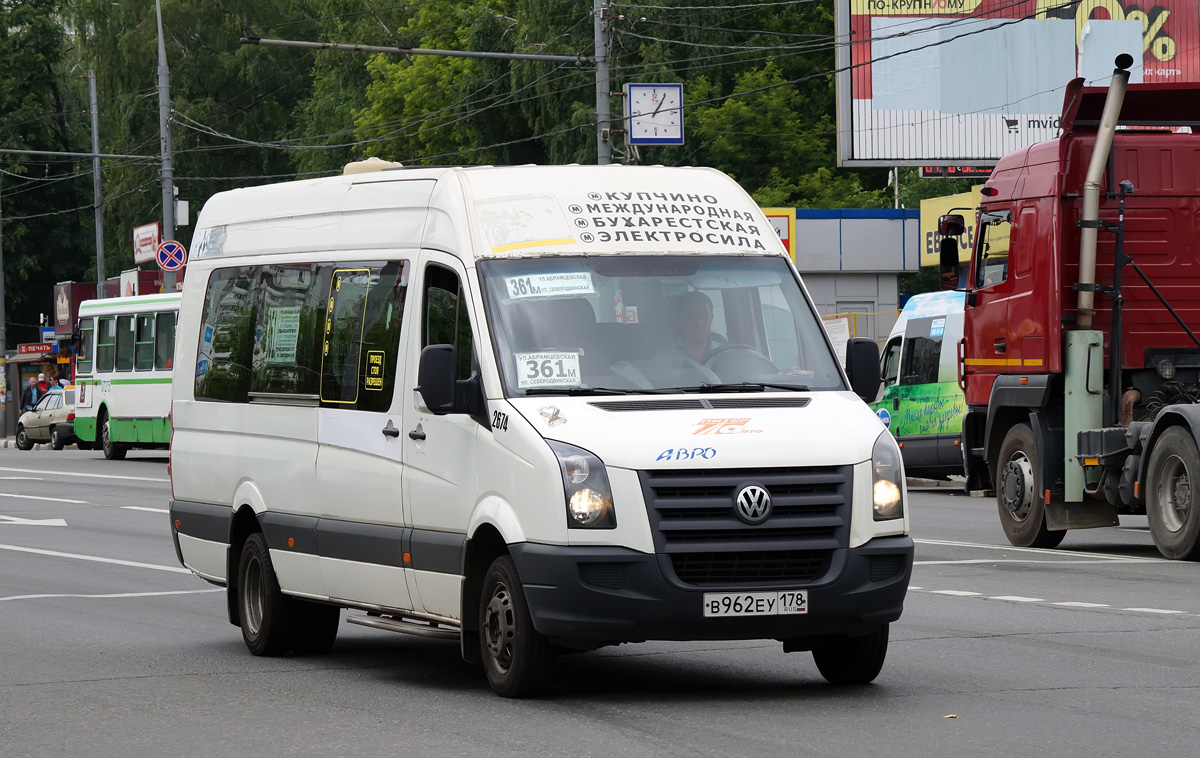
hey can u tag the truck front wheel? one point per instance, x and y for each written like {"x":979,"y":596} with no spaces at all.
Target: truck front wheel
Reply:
{"x":1171,"y":506}
{"x":1018,"y":492}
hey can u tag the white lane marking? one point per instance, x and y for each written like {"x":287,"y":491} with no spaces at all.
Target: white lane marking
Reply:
{"x":56,"y":474}
{"x":915,"y":588}
{"x":955,"y":593}
{"x":143,"y":508}
{"x":23,"y":478}
{"x":14,"y":521}
{"x":966,"y":561}
{"x":112,"y":595}
{"x":1150,"y":610}
{"x":1036,"y":550}
{"x":1018,"y":599}
{"x":1083,"y":605}
{"x":51,"y":499}
{"x":96,"y":558}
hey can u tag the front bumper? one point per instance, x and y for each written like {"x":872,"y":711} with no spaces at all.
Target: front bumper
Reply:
{"x":604,"y":595}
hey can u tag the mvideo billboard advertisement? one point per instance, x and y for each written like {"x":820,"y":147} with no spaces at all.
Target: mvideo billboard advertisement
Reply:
{"x":959,"y":82}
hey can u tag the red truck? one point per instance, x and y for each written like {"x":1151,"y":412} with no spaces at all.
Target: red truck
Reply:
{"x":1080,"y":359}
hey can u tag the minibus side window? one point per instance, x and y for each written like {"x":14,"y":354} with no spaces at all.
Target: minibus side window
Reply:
{"x":446,"y":320}
{"x":106,"y":344}
{"x":361,"y":344}
{"x":291,"y":322}
{"x":143,"y":357}
{"x":83,"y":362}
{"x":226,"y":338}
{"x":125,"y":342}
{"x":164,"y":341}
{"x":922,"y":351}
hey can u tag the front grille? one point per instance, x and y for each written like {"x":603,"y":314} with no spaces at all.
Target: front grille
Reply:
{"x":791,"y":566}
{"x":695,"y":524}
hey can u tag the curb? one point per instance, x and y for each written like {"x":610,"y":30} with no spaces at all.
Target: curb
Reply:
{"x":9,"y":442}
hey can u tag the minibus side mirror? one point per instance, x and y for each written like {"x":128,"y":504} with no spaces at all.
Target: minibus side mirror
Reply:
{"x":948,"y":261}
{"x":435,"y":378}
{"x":862,"y":366}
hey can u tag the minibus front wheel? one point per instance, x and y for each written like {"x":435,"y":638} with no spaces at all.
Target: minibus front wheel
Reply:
{"x":516,"y":658}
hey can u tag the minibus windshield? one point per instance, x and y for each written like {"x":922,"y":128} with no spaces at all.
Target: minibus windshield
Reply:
{"x":654,"y":324}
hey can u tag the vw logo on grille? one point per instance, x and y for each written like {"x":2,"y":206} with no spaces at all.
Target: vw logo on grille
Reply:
{"x":753,"y":504}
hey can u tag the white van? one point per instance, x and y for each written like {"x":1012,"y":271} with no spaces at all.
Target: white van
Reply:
{"x":535,"y":409}
{"x":923,"y":403}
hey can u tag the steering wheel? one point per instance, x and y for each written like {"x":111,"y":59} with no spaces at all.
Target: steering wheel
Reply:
{"x":755,"y":355}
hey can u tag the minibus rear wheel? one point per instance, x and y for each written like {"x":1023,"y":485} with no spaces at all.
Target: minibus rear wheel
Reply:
{"x":516,"y":658}
{"x":266,"y":613}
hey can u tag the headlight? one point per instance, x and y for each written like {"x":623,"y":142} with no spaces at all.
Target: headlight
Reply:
{"x":588,"y":494}
{"x":887,"y":487}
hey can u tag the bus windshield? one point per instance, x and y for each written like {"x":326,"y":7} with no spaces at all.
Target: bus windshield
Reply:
{"x":654,"y":324}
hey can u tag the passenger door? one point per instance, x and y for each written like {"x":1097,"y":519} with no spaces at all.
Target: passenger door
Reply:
{"x":889,"y":371}
{"x":989,"y":342}
{"x":440,"y":480}
{"x":360,"y":532}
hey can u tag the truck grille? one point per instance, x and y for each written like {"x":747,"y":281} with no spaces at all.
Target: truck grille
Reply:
{"x":695,"y":524}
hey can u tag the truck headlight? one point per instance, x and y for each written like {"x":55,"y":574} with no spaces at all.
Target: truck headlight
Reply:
{"x":887,"y":488}
{"x":586,"y":488}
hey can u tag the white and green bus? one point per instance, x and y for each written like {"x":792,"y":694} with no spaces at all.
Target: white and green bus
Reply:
{"x":123,"y":372}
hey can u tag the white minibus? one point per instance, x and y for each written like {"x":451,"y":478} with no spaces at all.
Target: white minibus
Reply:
{"x":534,"y":409}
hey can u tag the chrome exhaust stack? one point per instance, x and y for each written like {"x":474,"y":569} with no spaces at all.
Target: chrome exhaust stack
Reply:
{"x":1094,"y":183}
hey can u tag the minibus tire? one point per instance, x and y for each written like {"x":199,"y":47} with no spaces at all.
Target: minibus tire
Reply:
{"x":266,"y":614}
{"x":23,"y":441}
{"x":852,"y":660}
{"x":516,"y":658}
{"x":316,"y":627}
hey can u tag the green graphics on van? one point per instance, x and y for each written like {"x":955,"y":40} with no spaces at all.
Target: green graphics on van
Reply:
{"x":922,"y":404}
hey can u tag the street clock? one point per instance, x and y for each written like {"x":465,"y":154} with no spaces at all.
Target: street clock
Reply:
{"x":654,"y":114}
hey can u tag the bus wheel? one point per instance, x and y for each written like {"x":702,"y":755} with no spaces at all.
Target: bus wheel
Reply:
{"x":1171,"y":506}
{"x":23,"y":441}
{"x":516,"y":658}
{"x":266,"y":613}
{"x":1022,"y":513}
{"x":852,"y":660}
{"x":113,"y":451}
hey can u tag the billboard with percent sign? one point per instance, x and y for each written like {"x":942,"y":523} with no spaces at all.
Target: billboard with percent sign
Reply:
{"x":957,"y":82}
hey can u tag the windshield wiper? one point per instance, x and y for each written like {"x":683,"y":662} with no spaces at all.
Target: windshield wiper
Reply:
{"x":742,"y":387}
{"x":588,"y":391}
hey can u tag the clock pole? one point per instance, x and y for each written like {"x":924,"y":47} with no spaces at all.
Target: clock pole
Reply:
{"x":603,"y":103}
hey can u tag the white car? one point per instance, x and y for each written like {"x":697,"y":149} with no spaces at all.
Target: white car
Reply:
{"x":51,"y":420}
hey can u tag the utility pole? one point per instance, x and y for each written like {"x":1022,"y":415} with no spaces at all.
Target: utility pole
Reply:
{"x":3,"y":312}
{"x":164,"y":129}
{"x":96,"y":185}
{"x":603,"y":99}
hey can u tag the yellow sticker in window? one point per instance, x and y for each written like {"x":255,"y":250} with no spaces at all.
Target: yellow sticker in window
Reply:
{"x":374,"y":378}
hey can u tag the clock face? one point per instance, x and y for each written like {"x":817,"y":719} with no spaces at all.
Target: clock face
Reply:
{"x":655,"y":116}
